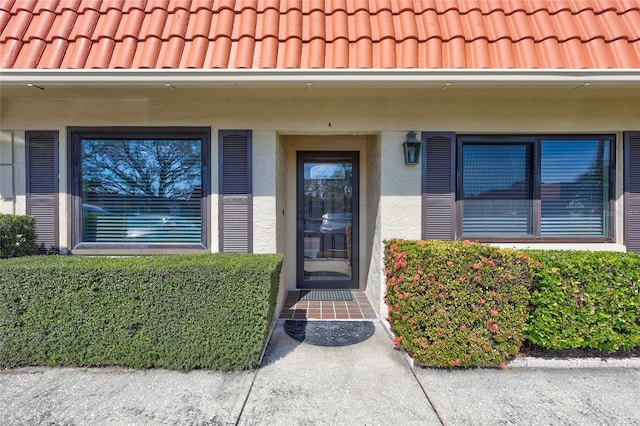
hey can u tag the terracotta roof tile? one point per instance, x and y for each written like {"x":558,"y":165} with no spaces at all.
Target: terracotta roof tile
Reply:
{"x":100,"y":53}
{"x":108,"y":24}
{"x":153,"y":24}
{"x":525,"y":54}
{"x":68,"y":5}
{"x":62,"y":26}
{"x":6,"y":5}
{"x":199,"y":24}
{"x":76,"y":54}
{"x":85,"y":25}
{"x":130,"y":25}
{"x":53,"y":54}
{"x":319,"y":34}
{"x":18,"y":5}
{"x":17,"y":25}
{"x":132,"y":5}
{"x":171,"y":53}
{"x":39,"y":26}
{"x":30,"y":54}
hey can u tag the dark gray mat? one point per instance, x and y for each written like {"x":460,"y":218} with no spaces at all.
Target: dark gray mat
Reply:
{"x":325,"y":295}
{"x":329,"y":333}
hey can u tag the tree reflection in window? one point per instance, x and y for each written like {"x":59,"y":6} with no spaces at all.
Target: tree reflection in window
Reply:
{"x":141,"y":190}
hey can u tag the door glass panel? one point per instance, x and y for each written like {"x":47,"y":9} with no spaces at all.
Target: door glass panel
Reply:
{"x":327,"y":214}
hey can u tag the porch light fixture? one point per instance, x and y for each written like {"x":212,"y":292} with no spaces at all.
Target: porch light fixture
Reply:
{"x":412,"y":147}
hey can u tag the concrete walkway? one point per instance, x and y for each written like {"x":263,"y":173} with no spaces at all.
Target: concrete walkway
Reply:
{"x":298,"y":384}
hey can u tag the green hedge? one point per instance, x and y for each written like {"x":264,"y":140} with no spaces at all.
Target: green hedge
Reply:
{"x":585,"y":299}
{"x":177,"y":312}
{"x":17,"y":236}
{"x":456,"y":303}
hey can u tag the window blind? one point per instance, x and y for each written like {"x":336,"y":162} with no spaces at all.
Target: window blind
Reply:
{"x":497,"y":196}
{"x":574,"y":188}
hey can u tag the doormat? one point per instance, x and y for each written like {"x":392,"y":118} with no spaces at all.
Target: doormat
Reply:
{"x":329,"y":333}
{"x":325,"y":295}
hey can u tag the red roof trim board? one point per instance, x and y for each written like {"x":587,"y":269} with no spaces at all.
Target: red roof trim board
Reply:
{"x":317,"y":34}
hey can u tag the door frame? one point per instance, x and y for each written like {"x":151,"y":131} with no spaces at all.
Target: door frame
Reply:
{"x":354,"y":281}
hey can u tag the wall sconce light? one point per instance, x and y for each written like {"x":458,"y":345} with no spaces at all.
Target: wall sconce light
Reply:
{"x":412,"y":147}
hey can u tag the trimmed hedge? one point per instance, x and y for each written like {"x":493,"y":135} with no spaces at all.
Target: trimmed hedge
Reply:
{"x":17,"y":236}
{"x":585,"y":299}
{"x":457,"y":303}
{"x":178,"y":312}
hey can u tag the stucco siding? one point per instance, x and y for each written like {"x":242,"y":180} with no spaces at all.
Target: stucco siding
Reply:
{"x":283,"y":121}
{"x":264,"y":191}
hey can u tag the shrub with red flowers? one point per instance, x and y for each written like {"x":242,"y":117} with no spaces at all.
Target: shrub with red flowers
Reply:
{"x":457,"y":303}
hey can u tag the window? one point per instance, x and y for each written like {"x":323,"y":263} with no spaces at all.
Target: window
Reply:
{"x":535,"y":187}
{"x":140,"y":188}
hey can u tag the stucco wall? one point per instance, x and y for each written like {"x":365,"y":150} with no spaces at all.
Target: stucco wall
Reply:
{"x":375,"y":122}
{"x":264,"y":191}
{"x":373,"y":247}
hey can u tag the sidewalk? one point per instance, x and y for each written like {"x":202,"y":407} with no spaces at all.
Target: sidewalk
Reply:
{"x":366,"y":384}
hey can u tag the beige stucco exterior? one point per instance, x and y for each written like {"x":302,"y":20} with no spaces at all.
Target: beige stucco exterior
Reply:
{"x":285,"y":120}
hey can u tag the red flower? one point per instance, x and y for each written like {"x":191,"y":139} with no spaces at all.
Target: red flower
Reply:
{"x":396,"y":340}
{"x":493,"y":327}
{"x":416,"y":277}
{"x":477,"y":266}
{"x":538,"y":264}
{"x":478,"y":278}
{"x":493,"y":312}
{"x":467,"y":243}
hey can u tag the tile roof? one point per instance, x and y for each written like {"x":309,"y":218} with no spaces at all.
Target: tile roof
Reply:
{"x":319,"y":34}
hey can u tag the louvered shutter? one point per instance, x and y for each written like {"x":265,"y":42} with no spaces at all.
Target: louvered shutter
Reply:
{"x":42,"y":186}
{"x":632,"y":191}
{"x":235,"y":191}
{"x":438,"y":186}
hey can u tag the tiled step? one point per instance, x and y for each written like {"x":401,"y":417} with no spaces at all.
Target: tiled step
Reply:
{"x":358,"y":308}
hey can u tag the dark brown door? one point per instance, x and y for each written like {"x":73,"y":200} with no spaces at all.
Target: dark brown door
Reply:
{"x":327,"y":217}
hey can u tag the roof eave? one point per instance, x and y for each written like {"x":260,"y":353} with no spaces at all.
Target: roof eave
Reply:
{"x":320,"y":77}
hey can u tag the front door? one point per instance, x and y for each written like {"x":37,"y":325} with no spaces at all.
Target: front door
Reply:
{"x":327,"y":213}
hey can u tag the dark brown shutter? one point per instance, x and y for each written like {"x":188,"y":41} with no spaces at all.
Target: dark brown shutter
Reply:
{"x":632,"y":190}
{"x":438,"y":186}
{"x":235,"y":191}
{"x":42,"y":186}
